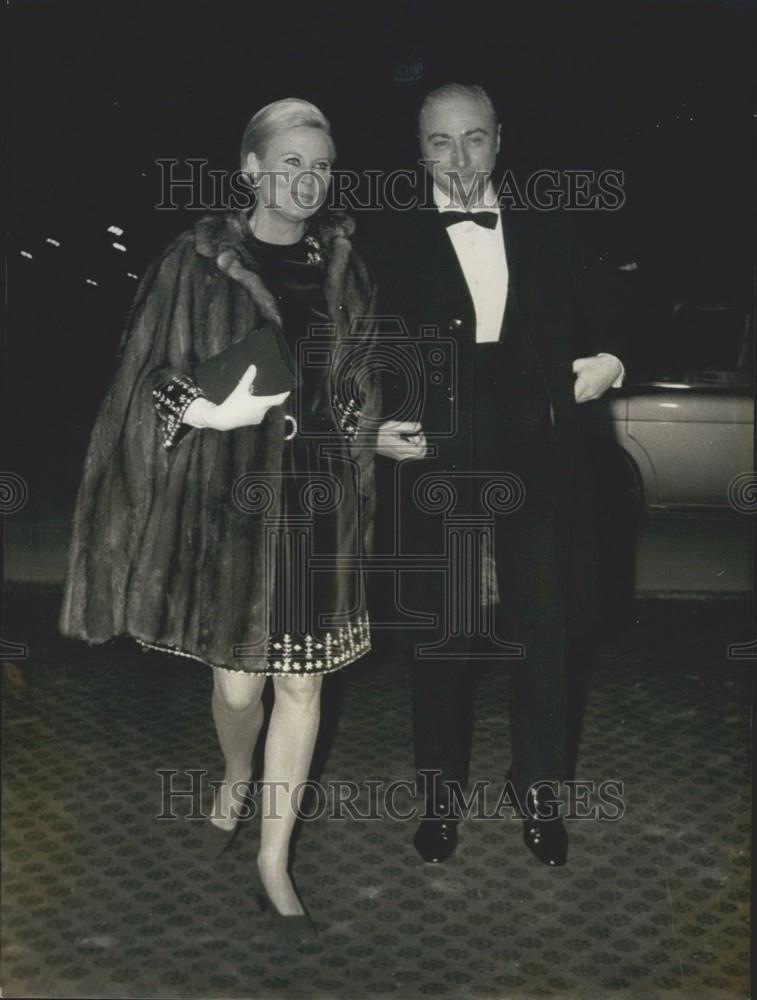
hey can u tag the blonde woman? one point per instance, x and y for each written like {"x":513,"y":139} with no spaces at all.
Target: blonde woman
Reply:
{"x":198,"y":518}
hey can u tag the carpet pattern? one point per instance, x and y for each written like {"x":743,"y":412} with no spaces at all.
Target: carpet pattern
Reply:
{"x":101,"y":899}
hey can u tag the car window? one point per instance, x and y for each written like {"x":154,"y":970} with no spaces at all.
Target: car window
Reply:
{"x":701,"y":345}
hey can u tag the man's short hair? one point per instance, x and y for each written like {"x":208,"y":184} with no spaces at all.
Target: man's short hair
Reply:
{"x":470,"y":91}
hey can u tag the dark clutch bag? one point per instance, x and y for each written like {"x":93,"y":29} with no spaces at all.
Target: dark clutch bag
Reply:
{"x":266,"y":349}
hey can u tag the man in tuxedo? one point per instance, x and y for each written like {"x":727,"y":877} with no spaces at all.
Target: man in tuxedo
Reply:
{"x":530,"y":329}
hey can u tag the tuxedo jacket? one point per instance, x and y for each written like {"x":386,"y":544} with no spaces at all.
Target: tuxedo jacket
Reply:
{"x":567,"y":304}
{"x":562,"y":304}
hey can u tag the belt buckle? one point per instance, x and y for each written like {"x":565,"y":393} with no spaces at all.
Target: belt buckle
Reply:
{"x":291,"y":419}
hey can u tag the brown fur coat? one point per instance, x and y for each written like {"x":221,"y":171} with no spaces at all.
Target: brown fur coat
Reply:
{"x":160,"y":550}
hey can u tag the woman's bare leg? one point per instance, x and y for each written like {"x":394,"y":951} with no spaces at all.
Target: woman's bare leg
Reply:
{"x":238,"y":715}
{"x":289,"y":747}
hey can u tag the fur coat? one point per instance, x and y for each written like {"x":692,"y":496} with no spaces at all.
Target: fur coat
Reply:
{"x":161,"y":549}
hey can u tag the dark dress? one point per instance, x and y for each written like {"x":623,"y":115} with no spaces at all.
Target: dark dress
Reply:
{"x":317,"y":615}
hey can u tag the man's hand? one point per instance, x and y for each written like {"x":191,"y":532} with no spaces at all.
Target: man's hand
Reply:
{"x":400,"y":439}
{"x":594,"y":376}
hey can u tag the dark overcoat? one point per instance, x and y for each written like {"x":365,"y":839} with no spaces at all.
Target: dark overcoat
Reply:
{"x":162,"y":548}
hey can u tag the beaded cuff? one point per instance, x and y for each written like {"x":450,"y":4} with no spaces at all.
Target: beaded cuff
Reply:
{"x":347,"y":416}
{"x":171,"y":400}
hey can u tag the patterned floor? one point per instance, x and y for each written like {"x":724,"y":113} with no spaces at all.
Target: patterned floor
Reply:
{"x":102,"y":900}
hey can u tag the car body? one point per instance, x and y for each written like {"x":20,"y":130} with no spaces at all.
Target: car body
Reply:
{"x":676,"y":451}
{"x":686,"y":442}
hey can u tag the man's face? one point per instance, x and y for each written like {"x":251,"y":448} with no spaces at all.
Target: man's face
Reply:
{"x":459,"y":143}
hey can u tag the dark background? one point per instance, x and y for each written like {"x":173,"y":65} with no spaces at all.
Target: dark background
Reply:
{"x":664,"y":91}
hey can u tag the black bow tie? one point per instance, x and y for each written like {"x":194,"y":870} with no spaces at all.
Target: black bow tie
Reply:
{"x":486,"y":219}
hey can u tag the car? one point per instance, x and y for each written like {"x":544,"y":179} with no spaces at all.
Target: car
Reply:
{"x":675,"y":453}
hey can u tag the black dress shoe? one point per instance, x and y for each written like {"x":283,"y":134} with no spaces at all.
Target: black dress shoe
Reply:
{"x":546,"y":839}
{"x":436,"y":839}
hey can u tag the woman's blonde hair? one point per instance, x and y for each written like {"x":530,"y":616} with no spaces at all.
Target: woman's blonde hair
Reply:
{"x":279,"y":116}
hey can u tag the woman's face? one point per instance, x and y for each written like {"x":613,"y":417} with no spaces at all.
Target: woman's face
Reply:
{"x":294,"y":173}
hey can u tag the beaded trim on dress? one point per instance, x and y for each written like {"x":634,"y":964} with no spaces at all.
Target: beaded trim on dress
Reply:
{"x":302,"y":656}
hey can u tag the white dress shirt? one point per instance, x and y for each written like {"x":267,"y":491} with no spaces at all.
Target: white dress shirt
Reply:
{"x":481,"y":254}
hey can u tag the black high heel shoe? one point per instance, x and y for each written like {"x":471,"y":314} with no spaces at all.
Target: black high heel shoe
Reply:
{"x":215,"y":841}
{"x":297,"y":928}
